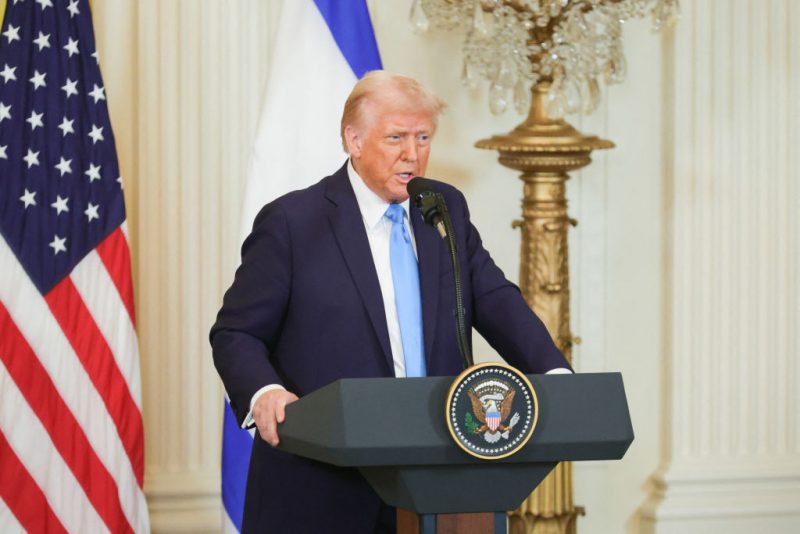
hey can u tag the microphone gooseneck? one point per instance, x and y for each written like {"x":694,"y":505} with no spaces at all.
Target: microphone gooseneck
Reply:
{"x":434,"y":212}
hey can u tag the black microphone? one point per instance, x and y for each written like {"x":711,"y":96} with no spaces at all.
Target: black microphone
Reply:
{"x":428,"y":202}
{"x":431,"y":204}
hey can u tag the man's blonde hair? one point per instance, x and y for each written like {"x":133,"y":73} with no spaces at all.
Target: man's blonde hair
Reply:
{"x":382,"y":86}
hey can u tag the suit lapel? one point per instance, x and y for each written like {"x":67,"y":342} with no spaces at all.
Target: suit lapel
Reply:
{"x":429,"y":254}
{"x":348,"y":227}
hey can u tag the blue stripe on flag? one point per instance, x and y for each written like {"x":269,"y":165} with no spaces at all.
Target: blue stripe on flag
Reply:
{"x":352,"y":30}
{"x":236,"y":446}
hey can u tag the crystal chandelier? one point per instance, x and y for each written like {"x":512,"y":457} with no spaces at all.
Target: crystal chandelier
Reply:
{"x":514,"y":44}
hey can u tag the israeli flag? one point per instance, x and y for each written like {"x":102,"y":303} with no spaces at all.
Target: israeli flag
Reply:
{"x":322,"y":47}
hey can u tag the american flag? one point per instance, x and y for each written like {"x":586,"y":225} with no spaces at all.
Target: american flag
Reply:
{"x":71,"y":432}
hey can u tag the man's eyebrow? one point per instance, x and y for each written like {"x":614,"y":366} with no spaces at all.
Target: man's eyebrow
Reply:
{"x":394,"y":130}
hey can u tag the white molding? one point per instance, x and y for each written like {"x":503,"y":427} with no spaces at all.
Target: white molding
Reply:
{"x":186,"y":511}
{"x":723,"y":498}
{"x":732,"y":461}
{"x":713,"y":495}
{"x":184,"y":502}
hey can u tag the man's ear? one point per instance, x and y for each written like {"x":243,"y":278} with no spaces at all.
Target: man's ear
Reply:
{"x":353,"y":139}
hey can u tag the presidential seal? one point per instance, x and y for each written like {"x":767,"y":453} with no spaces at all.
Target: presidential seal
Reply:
{"x":491,"y":410}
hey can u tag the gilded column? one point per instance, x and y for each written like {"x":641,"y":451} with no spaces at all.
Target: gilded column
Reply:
{"x":544,"y":150}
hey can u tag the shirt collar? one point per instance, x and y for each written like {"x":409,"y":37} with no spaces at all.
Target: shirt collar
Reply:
{"x":371,"y":205}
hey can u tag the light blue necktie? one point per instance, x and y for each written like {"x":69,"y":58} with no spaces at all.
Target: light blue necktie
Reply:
{"x":405,"y":275}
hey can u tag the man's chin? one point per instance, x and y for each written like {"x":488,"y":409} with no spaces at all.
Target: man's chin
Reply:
{"x":398,"y":192}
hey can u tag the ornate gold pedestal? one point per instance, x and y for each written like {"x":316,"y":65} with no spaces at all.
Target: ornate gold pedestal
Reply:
{"x":545,"y":150}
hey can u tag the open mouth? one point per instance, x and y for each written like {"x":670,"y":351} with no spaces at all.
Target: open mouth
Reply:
{"x":405,"y":177}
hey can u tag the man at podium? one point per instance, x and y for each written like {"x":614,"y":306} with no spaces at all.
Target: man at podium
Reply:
{"x":344,"y":280}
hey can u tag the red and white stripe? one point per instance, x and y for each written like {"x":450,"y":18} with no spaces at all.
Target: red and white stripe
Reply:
{"x":493,"y":420}
{"x":71,"y":431}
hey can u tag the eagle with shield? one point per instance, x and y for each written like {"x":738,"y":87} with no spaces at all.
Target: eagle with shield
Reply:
{"x":492,"y":401}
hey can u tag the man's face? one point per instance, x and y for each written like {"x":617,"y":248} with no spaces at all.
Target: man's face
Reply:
{"x":389,"y":148}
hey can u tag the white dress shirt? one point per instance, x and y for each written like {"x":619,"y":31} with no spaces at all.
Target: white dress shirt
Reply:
{"x":379,"y":233}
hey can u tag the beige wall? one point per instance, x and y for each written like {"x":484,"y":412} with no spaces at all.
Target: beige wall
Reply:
{"x":677,"y":219}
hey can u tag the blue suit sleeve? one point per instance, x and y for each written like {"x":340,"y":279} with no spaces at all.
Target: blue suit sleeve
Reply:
{"x":249,"y":323}
{"x":500,"y":313}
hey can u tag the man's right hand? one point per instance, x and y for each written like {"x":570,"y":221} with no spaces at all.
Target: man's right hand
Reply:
{"x":269,"y":410}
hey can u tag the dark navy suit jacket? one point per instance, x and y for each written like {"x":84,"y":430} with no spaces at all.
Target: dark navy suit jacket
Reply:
{"x":305,"y":309}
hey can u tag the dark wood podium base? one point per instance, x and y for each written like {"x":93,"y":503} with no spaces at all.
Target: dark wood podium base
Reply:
{"x":483,"y":523}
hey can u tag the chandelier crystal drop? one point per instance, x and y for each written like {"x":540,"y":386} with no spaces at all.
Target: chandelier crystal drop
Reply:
{"x":514,"y":44}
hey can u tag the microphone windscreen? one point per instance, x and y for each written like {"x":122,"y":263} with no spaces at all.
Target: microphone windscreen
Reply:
{"x":419,"y":185}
